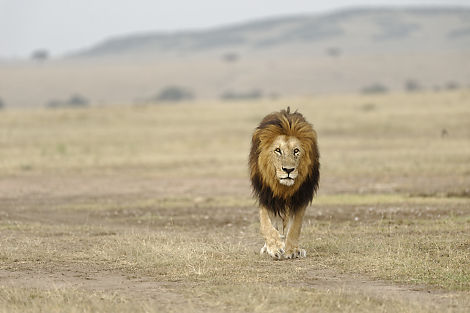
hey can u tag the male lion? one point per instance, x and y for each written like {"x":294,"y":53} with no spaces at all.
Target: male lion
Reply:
{"x":284,"y":171}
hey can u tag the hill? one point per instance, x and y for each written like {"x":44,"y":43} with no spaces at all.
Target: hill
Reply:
{"x":354,"y":31}
{"x":355,"y":50}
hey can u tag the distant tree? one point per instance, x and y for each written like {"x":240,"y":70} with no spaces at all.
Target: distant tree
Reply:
{"x":412,"y":85}
{"x":333,"y":51}
{"x":231,"y":95}
{"x":451,"y":85}
{"x":40,"y":55}
{"x":230,"y":57}
{"x":374,"y":89}
{"x":2,"y":104}
{"x":77,"y":100}
{"x":174,"y":94}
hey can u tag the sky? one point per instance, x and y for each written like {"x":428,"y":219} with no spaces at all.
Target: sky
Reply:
{"x":63,"y":26}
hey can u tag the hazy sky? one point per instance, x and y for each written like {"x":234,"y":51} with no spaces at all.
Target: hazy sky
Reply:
{"x":66,"y":25}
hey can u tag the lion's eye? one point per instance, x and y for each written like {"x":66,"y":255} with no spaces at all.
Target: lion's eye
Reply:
{"x":296,"y":151}
{"x":277,"y":150}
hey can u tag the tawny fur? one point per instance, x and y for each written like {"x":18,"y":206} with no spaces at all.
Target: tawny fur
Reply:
{"x":278,"y":198}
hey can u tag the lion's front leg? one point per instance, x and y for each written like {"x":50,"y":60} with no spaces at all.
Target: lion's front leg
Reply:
{"x":293,"y":234}
{"x":274,"y":245}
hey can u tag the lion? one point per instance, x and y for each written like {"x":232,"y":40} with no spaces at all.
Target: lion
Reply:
{"x":284,"y":171}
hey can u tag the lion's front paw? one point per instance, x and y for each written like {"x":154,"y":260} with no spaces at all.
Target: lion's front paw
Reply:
{"x":276,"y":251}
{"x":295,"y":253}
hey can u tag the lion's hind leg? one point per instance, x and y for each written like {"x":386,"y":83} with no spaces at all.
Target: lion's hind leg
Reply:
{"x":274,"y":246}
{"x":293,"y":233}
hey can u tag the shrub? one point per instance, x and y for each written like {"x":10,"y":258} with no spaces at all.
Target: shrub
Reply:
{"x":174,"y":94}
{"x":75,"y":101}
{"x":2,"y":104}
{"x":248,"y":95}
{"x":375,"y":88}
{"x":40,"y":55}
{"x":412,"y":85}
{"x":451,"y":85}
{"x":333,"y":51}
{"x":230,"y":57}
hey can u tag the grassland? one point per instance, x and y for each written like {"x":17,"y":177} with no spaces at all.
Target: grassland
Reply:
{"x":148,"y":209}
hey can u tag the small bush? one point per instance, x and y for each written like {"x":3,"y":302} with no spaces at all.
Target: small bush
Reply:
{"x":40,"y":55}
{"x":333,"y":51}
{"x":451,"y":85}
{"x":230,"y":57}
{"x":2,"y":104}
{"x":248,"y":95}
{"x":375,"y":88}
{"x":75,"y":101}
{"x":174,"y":94}
{"x":412,"y":85}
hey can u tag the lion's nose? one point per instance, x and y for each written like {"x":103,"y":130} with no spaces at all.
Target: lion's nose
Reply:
{"x":288,"y":170}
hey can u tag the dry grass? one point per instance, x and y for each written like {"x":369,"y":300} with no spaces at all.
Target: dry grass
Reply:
{"x":186,"y":139}
{"x":65,"y":300}
{"x":147,"y":209}
{"x":424,"y":252}
{"x":257,"y":298}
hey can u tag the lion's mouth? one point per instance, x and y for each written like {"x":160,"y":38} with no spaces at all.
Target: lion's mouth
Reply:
{"x":288,"y":181}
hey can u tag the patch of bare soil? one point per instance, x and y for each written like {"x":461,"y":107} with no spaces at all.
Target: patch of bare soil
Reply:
{"x":117,"y":185}
{"x":170,"y":293}
{"x":139,"y":289}
{"x":38,"y":198}
{"x":76,"y":278}
{"x":136,"y":184}
{"x":397,"y":211}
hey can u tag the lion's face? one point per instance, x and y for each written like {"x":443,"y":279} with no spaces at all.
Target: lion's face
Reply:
{"x":286,"y":154}
{"x":284,"y":161}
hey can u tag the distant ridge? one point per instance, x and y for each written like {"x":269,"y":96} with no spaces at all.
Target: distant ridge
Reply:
{"x":357,"y":30}
{"x":372,"y":51}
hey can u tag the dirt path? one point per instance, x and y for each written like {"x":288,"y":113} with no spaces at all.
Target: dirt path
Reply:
{"x":169,"y":293}
{"x":141,"y":288}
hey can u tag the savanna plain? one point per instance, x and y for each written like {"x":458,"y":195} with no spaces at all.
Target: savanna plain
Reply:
{"x":148,"y":208}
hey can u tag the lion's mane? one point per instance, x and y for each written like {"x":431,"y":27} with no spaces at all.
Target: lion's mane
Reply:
{"x":266,"y":187}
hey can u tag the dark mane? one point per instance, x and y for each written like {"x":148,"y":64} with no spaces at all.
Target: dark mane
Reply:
{"x":290,"y":124}
{"x":278,"y":205}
